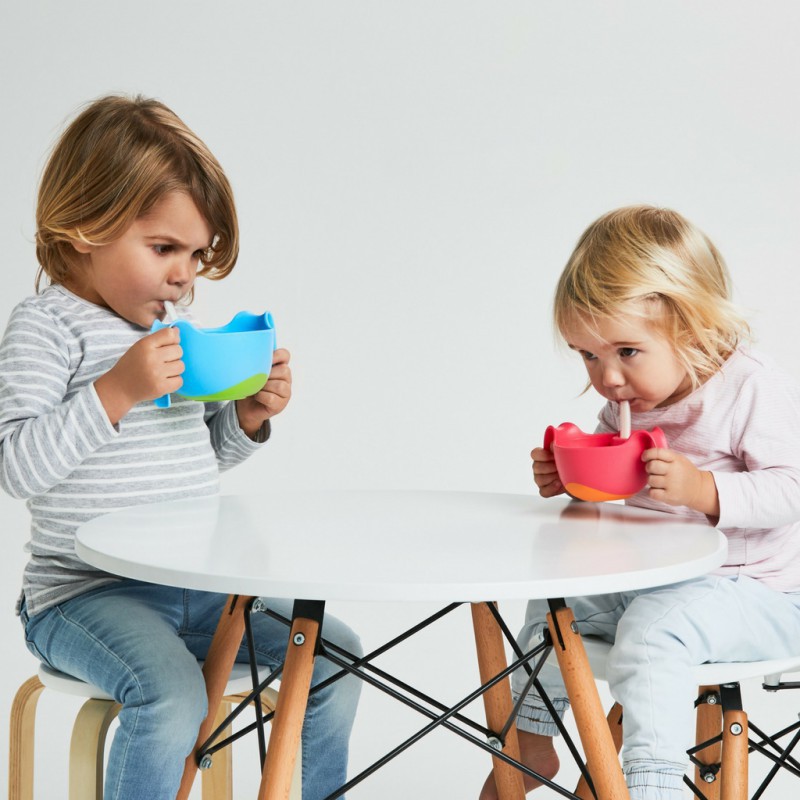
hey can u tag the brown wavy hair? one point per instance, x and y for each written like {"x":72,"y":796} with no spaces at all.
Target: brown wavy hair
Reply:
{"x":112,"y":164}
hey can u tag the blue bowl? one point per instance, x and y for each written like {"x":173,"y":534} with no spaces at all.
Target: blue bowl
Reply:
{"x":226,"y":363}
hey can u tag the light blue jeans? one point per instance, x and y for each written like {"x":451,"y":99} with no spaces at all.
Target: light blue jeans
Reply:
{"x":659,"y":635}
{"x":141,"y":642}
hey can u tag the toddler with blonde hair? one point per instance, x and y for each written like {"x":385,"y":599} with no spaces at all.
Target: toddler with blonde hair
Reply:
{"x":645,"y":302}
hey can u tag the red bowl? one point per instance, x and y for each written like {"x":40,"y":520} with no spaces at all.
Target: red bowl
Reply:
{"x":600,"y":466}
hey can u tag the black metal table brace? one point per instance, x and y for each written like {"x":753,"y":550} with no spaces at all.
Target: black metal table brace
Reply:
{"x":439,"y":714}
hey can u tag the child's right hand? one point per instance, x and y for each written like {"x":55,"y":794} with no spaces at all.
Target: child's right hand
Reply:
{"x":545,"y":474}
{"x":150,"y":368}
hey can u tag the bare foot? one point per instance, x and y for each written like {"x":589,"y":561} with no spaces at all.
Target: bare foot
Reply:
{"x":537,"y":753}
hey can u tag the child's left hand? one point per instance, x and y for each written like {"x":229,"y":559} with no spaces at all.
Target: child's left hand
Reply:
{"x":673,"y":479}
{"x":271,"y":399}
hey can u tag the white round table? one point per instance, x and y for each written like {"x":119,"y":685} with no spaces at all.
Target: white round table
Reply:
{"x":399,"y":546}
{"x":403,"y":546}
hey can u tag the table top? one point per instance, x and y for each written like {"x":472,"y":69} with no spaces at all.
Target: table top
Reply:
{"x":399,"y":546}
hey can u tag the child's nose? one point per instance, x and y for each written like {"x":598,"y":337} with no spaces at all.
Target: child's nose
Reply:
{"x":612,"y":376}
{"x":183,"y":271}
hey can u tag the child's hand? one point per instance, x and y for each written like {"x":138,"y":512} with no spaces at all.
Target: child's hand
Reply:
{"x":545,"y":474}
{"x":150,"y":368}
{"x":674,"y":480}
{"x":271,"y":399}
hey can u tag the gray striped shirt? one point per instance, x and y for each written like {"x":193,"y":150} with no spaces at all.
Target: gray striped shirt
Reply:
{"x":59,"y":451}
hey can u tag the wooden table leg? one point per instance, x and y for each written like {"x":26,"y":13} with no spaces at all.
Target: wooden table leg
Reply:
{"x":734,"y":756}
{"x":290,"y":710}
{"x":734,"y":744}
{"x":601,"y":757}
{"x":497,"y":700}
{"x":216,"y":670}
{"x":708,"y":726}
{"x":614,"y":722}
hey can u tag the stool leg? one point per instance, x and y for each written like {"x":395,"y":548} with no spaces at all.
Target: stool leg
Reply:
{"x":734,"y":744}
{"x":497,"y":700}
{"x":709,"y":725}
{"x":87,"y":749}
{"x":614,"y":720}
{"x":601,"y":758}
{"x":21,"y":740}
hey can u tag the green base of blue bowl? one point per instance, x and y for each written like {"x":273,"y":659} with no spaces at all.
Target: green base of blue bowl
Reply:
{"x":246,"y":388}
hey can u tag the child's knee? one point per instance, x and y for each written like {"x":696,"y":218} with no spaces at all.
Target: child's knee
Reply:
{"x":342,"y":635}
{"x":650,"y":636}
{"x":169,"y":700}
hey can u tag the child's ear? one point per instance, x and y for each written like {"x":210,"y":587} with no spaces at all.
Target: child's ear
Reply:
{"x":81,"y":246}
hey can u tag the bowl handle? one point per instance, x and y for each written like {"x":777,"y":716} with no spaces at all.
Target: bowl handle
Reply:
{"x":657,"y":438}
{"x":565,"y":429}
{"x":161,"y":402}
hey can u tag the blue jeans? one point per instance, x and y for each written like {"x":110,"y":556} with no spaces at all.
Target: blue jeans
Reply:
{"x":141,"y":642}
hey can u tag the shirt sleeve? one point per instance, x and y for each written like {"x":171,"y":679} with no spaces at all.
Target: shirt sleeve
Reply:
{"x":45,"y":431}
{"x":765,"y":438}
{"x":231,"y":444}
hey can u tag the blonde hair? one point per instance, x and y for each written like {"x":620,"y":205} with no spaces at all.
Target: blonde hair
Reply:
{"x":111,"y":165}
{"x":654,"y":263}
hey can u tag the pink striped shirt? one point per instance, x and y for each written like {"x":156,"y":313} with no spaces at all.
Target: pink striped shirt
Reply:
{"x":743,"y":425}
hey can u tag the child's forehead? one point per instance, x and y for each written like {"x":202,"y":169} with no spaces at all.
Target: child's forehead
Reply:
{"x":175,"y":216}
{"x":626,"y":327}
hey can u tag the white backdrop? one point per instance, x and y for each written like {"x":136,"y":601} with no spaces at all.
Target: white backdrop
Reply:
{"x":411,"y":178}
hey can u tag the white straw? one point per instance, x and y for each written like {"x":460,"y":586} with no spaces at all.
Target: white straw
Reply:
{"x":169,"y":311}
{"x":624,"y":419}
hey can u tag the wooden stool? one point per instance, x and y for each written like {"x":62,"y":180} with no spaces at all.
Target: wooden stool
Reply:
{"x":87,"y":744}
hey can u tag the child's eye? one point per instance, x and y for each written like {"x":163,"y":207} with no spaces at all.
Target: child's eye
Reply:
{"x":162,"y":249}
{"x":587,"y":356}
{"x":627,"y":352}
